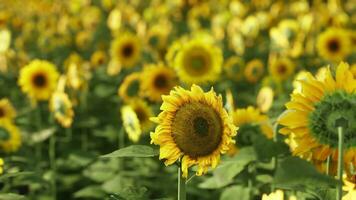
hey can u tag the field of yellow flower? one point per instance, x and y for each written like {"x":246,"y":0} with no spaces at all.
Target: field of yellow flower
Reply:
{"x":177,"y":99}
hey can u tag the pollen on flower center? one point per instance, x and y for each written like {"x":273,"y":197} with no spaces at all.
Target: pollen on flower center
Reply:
{"x":197,"y":129}
{"x":39,"y":80}
{"x":201,"y":126}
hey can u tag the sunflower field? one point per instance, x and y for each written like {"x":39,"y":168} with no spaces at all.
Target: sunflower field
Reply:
{"x":177,"y":99}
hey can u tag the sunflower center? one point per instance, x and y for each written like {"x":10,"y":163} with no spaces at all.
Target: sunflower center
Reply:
{"x":197,"y":129}
{"x":201,"y":126}
{"x":127,"y":50}
{"x":133,"y":88}
{"x":141,"y":114}
{"x":2,"y":112}
{"x":334,"y":45}
{"x":282,"y":69}
{"x":4,"y":134}
{"x":323,"y":121}
{"x":160,"y":81}
{"x":39,"y":80}
{"x":197,"y":62}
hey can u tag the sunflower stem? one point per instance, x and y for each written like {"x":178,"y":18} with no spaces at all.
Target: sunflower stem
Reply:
{"x":340,"y":162}
{"x":38,"y":147}
{"x":181,"y":185}
{"x":328,"y":165}
{"x":52,"y":157}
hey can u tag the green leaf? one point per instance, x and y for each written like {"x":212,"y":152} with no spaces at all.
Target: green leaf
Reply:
{"x":90,"y":192}
{"x":295,"y":172}
{"x":227,"y":170}
{"x":42,"y":135}
{"x":11,"y":196}
{"x":139,"y":151}
{"x":235,"y":192}
{"x":266,"y":148}
{"x":17,"y":174}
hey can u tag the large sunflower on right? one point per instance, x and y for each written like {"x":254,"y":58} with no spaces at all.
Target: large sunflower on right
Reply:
{"x":313,"y":112}
{"x":194,"y":127}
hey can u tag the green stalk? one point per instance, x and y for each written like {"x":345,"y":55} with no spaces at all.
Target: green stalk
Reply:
{"x":181,"y":185}
{"x":38,"y":147}
{"x":340,"y":162}
{"x":52,"y":157}
{"x":328,"y":160}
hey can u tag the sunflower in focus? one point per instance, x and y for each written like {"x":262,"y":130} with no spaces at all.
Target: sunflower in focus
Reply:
{"x":334,"y":44}
{"x":7,"y":111}
{"x":157,"y":80}
{"x":198,"y":61}
{"x":10,"y":138}
{"x":38,"y":79}
{"x":130,"y":87}
{"x":126,"y":48}
{"x":281,"y":69}
{"x":131,"y":123}
{"x":251,"y":124}
{"x":194,"y":127}
{"x":254,"y":70}
{"x":312,"y":116}
{"x":144,"y":113}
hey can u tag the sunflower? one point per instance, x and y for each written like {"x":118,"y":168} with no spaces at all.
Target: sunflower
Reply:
{"x":312,"y":115}
{"x":130,"y":87}
{"x":1,"y":166}
{"x":281,"y":69}
{"x":254,"y":70}
{"x":144,"y":113}
{"x":10,"y":138}
{"x":277,"y":195}
{"x":251,"y":124}
{"x":7,"y":111}
{"x":198,"y":61}
{"x":264,"y":99}
{"x":126,"y":49}
{"x":98,"y":58}
{"x":334,"y":44}
{"x":38,"y":79}
{"x":350,"y":188}
{"x":194,"y":127}
{"x":157,"y":80}
{"x":131,"y":123}
{"x":234,"y":68}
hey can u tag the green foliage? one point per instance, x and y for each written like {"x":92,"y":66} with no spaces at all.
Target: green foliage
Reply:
{"x":140,"y":151}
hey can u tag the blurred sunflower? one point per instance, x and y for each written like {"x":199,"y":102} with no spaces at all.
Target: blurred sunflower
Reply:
{"x":126,"y":48}
{"x":334,"y":44}
{"x":251,"y":124}
{"x":7,"y":111}
{"x":10,"y":138}
{"x":350,"y":188}
{"x":38,"y":79}
{"x":312,"y":116}
{"x":194,"y":127}
{"x":277,"y":195}
{"x":198,"y":61}
{"x":144,"y":113}
{"x":98,"y":58}
{"x":264,"y":99}
{"x":61,"y":105}
{"x":1,"y":166}
{"x":130,"y":87}
{"x":234,"y":68}
{"x":157,"y":80}
{"x":131,"y":123}
{"x":281,"y":68}
{"x":254,"y":70}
